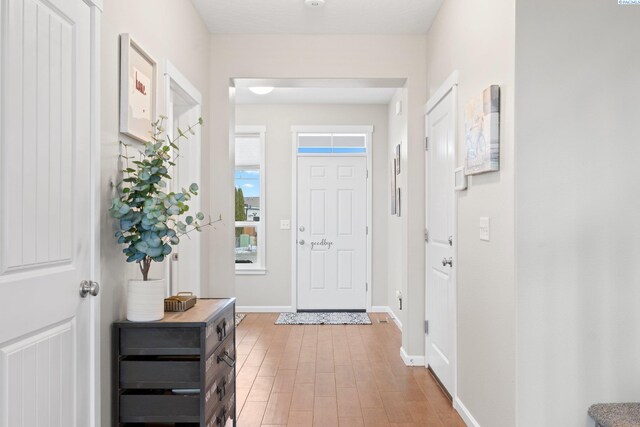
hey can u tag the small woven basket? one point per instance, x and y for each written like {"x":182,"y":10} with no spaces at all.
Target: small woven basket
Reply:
{"x":181,"y":302}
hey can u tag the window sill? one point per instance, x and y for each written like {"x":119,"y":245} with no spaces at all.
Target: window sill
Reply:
{"x":250,"y":271}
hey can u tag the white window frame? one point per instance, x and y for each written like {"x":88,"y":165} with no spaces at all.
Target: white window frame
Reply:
{"x":261,"y":266}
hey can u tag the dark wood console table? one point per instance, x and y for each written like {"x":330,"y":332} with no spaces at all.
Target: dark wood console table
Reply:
{"x":177,"y":371}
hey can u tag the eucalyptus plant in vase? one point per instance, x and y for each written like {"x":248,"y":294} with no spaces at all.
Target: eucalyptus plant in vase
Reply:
{"x":151,"y":218}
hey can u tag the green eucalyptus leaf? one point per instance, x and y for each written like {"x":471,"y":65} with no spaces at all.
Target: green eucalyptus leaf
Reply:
{"x":154,"y":251}
{"x":141,"y":246}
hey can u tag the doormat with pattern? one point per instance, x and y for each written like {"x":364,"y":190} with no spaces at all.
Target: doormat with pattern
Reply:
{"x":239,"y":317}
{"x":333,"y":318}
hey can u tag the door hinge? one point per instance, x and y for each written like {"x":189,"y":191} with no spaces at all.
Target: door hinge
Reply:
{"x":367,"y":173}
{"x":426,"y":143}
{"x":367,"y":230}
{"x":426,"y":327}
{"x":366,"y":286}
{"x":426,"y":235}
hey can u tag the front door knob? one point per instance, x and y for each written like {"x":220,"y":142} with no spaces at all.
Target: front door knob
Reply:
{"x":88,"y":287}
{"x":446,"y":262}
{"x":301,"y":242}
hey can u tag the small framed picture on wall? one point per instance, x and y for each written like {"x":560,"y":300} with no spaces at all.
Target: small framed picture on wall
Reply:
{"x":138,"y":75}
{"x":393,"y":193}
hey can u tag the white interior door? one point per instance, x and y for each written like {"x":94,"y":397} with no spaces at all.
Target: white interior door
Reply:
{"x":48,"y":345}
{"x":332,"y":239}
{"x":440,"y":222}
{"x":183,"y":111}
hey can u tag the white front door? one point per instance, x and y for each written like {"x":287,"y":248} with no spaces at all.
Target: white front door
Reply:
{"x":331,"y":235}
{"x":49,"y":363}
{"x":440,"y":293}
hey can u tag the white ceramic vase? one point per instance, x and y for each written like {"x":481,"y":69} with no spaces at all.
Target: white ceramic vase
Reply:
{"x":145,"y":300}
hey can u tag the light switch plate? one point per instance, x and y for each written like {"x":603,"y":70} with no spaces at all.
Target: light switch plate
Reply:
{"x":484,"y":228}
{"x":285,"y":224}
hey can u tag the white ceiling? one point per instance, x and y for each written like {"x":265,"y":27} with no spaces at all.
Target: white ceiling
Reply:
{"x":306,"y":95}
{"x":336,"y":17}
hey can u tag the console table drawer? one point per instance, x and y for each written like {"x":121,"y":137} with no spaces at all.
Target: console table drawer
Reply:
{"x":159,"y":408}
{"x":219,"y":329}
{"x":157,"y":373}
{"x":224,"y":414}
{"x":220,"y":392}
{"x":221,"y":358}
{"x":143,"y":341}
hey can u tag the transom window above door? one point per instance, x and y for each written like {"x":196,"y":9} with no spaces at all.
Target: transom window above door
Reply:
{"x":332,"y":143}
{"x":249,"y":177}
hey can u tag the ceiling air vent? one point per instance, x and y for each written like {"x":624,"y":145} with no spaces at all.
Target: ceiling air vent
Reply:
{"x":314,"y":3}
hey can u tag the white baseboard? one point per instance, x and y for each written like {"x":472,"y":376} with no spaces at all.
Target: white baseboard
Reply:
{"x":387,"y":309}
{"x":464,"y":413}
{"x":263,"y":309}
{"x":395,"y":319}
{"x":411,"y":360}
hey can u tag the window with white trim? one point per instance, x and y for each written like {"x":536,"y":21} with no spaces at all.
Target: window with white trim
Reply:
{"x":249,"y":180}
{"x":332,"y":143}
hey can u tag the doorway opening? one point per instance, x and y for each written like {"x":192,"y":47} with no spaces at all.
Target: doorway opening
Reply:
{"x":302,"y":123}
{"x":183,"y":108}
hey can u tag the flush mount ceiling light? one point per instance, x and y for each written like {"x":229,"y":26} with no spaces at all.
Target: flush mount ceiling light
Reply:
{"x":261,"y":90}
{"x":314,"y":3}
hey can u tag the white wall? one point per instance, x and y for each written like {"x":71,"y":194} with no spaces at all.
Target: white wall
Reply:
{"x":321,"y":56}
{"x":397,"y":135}
{"x":577,"y":204}
{"x":163,"y":28}
{"x":274,"y":288}
{"x":477,"y":39}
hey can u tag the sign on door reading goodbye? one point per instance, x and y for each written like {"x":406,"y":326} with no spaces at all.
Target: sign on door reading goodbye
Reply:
{"x":322,"y":243}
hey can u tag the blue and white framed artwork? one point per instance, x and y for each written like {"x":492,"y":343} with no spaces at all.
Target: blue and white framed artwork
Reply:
{"x":482,"y":132}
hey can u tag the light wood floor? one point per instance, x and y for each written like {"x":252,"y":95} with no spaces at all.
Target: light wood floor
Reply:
{"x":326,"y":376}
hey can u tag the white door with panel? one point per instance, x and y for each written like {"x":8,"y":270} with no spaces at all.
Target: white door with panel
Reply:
{"x":440,"y":292}
{"x":332,"y":233}
{"x":49,"y":359}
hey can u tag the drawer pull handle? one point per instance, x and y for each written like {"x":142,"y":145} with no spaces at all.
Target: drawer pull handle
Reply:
{"x":220,"y":419}
{"x":221,"y":390}
{"x":225,"y":358}
{"x":222,"y":330}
